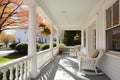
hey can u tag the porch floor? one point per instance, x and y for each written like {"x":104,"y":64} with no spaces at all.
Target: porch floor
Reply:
{"x":65,"y":67}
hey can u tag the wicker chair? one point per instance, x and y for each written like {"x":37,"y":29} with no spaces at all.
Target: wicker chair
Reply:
{"x":89,"y":63}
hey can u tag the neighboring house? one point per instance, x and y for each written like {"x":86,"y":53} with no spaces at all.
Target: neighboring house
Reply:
{"x":21,"y":35}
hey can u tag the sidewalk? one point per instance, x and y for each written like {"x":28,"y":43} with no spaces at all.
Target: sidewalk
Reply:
{"x":6,"y":52}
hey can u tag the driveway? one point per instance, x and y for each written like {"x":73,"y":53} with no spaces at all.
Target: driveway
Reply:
{"x":6,"y":52}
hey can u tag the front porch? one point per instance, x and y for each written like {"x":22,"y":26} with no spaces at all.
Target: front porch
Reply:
{"x":47,"y":65}
{"x":50,"y":66}
{"x":65,"y":67}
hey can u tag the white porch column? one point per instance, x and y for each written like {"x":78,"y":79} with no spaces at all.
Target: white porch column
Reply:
{"x":82,"y":37}
{"x":58,"y":35}
{"x":51,"y":40}
{"x":32,"y":39}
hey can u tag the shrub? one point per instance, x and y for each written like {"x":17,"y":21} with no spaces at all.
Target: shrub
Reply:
{"x":12,"y":45}
{"x":62,"y":45}
{"x":54,"y":44}
{"x":23,"y":47}
{"x":45,"y":46}
{"x":38,"y":46}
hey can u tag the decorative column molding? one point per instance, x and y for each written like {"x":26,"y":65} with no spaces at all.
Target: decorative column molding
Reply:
{"x":32,"y":39}
{"x":51,"y":40}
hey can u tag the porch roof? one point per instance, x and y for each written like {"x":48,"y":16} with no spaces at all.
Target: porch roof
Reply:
{"x":68,"y":14}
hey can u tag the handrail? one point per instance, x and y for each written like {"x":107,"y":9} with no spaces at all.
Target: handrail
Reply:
{"x":13,"y":62}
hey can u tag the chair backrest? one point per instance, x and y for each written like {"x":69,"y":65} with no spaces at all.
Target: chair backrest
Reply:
{"x":101,"y":52}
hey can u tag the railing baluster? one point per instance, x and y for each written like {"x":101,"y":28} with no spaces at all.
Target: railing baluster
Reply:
{"x":25,"y":72}
{"x":21,"y":72}
{"x":11,"y":73}
{"x":16,"y":72}
{"x":28,"y":69}
{"x":4,"y":74}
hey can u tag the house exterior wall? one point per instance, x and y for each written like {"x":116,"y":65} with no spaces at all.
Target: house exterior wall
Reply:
{"x":21,"y":35}
{"x":109,"y":63}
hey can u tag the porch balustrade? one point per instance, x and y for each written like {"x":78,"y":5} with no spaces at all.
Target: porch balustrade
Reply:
{"x":45,"y":56}
{"x":20,"y":69}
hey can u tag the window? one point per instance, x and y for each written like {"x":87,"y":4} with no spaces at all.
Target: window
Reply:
{"x":109,"y":18}
{"x":112,"y":15}
{"x":85,"y":38}
{"x":113,"y":40}
{"x":113,"y":27}
{"x":116,"y":13}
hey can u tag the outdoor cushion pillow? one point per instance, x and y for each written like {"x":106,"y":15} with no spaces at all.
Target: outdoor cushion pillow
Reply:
{"x":93,"y":54}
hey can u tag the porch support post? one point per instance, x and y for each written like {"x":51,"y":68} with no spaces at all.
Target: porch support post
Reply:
{"x":58,"y":35}
{"x":51,"y":40}
{"x":82,"y":37}
{"x":32,"y":40}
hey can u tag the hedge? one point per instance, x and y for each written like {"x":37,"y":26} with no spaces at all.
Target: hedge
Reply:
{"x":54,"y":44}
{"x":23,"y":47}
{"x":13,"y":45}
{"x":45,"y":46}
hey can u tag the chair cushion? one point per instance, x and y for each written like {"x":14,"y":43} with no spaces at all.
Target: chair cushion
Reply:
{"x":93,"y":54}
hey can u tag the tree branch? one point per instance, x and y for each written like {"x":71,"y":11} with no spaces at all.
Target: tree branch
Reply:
{"x":4,"y":9}
{"x":12,"y":13}
{"x":13,"y":28}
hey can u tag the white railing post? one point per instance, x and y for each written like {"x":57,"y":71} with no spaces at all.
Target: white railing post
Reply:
{"x":16,"y":72}
{"x":51,"y":40}
{"x":32,"y":39}
{"x":25,"y":71}
{"x":11,"y":73}
{"x":4,"y":74}
{"x":21,"y":71}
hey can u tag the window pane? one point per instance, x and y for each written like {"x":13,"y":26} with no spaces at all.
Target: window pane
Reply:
{"x":116,"y":39}
{"x":116,"y":13}
{"x":109,"y":18}
{"x":113,"y":39}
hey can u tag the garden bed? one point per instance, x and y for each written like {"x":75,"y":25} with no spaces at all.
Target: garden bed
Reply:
{"x":11,"y":56}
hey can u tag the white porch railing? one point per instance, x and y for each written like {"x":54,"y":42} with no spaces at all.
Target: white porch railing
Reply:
{"x":55,"y":51}
{"x":43,"y":57}
{"x":19,"y":69}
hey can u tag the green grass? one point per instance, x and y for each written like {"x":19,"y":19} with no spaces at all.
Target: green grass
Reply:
{"x":7,"y":58}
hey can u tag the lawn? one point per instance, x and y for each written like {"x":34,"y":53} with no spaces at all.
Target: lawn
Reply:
{"x":10,"y":57}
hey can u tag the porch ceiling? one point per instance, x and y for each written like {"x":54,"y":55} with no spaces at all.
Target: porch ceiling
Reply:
{"x":68,"y":14}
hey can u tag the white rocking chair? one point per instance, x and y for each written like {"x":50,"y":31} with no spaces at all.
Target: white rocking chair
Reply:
{"x":88,"y":63}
